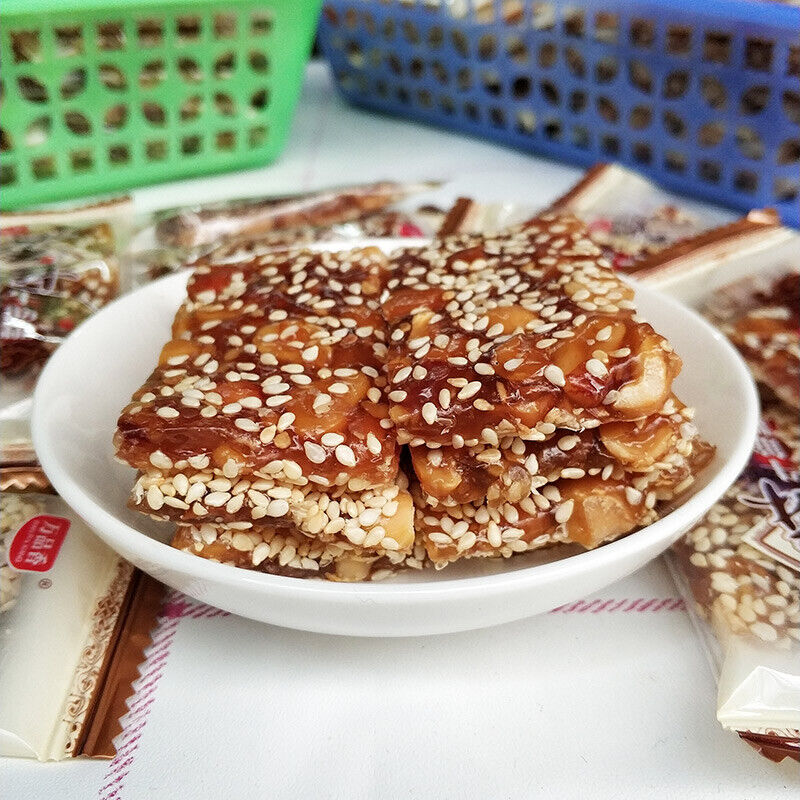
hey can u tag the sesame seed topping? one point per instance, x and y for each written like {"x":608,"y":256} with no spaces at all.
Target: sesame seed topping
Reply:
{"x":567,"y":443}
{"x":344,"y":455}
{"x":285,"y":421}
{"x":596,"y":367}
{"x":564,"y":512}
{"x":470,"y":390}
{"x":429,"y":413}
{"x":246,"y":424}
{"x":555,"y":375}
{"x":314,"y":453}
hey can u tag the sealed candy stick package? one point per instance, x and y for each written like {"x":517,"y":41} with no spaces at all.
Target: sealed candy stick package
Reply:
{"x":210,"y":224}
{"x":56,"y":269}
{"x":761,"y":316}
{"x":635,"y":221}
{"x":739,"y":568}
{"x":227,"y":230}
{"x":74,"y":620}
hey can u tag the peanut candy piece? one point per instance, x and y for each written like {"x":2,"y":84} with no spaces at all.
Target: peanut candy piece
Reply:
{"x":513,"y":333}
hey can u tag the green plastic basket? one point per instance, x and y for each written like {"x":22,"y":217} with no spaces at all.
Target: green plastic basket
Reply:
{"x":103,"y":95}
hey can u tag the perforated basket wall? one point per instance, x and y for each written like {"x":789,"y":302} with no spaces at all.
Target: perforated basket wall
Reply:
{"x":100,"y":97}
{"x":705,"y":97}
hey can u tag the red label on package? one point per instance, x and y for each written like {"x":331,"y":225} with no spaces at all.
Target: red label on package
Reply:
{"x":36,"y":544}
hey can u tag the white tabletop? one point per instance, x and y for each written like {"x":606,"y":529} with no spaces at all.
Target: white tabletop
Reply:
{"x":609,"y":699}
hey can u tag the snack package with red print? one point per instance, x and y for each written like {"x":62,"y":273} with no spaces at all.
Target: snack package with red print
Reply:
{"x":75,"y":618}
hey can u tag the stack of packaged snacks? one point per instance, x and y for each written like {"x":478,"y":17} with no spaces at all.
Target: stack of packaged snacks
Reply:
{"x":75,"y":616}
{"x":739,"y":568}
{"x":56,"y":268}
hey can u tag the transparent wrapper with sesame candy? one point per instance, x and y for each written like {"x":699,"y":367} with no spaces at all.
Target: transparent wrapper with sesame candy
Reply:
{"x":747,"y":282}
{"x":634,"y":220}
{"x":56,"y":268}
{"x":739,"y":569}
{"x":267,"y":409}
{"x":537,"y":406}
{"x":761,"y":316}
{"x":235,"y":229}
{"x":74,"y":620}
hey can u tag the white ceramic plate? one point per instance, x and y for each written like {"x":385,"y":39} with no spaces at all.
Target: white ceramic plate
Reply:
{"x":93,"y":373}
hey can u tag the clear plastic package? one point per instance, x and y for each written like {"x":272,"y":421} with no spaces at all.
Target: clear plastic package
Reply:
{"x":56,"y":268}
{"x":739,"y":567}
{"x":634,"y":219}
{"x":177,"y":237}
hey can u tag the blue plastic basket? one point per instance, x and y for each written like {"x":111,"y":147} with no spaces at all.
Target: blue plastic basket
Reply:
{"x":704,"y":97}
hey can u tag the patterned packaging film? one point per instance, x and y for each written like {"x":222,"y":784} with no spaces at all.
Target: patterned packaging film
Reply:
{"x":76,"y":619}
{"x":740,"y":567}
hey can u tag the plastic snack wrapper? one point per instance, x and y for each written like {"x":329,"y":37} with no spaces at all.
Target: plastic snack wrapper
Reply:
{"x":392,"y":224}
{"x":716,"y":266}
{"x":739,"y":568}
{"x":75,"y":619}
{"x":635,"y":220}
{"x":468,"y":216}
{"x":177,"y":237}
{"x":56,"y":268}
{"x":761,"y":316}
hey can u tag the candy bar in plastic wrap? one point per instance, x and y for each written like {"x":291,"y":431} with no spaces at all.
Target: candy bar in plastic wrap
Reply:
{"x":468,"y":216}
{"x":56,"y":268}
{"x":229,"y":230}
{"x":714,"y":269}
{"x":740,"y":569}
{"x":635,"y":220}
{"x":761,"y":316}
{"x":74,"y":620}
{"x":740,"y":566}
